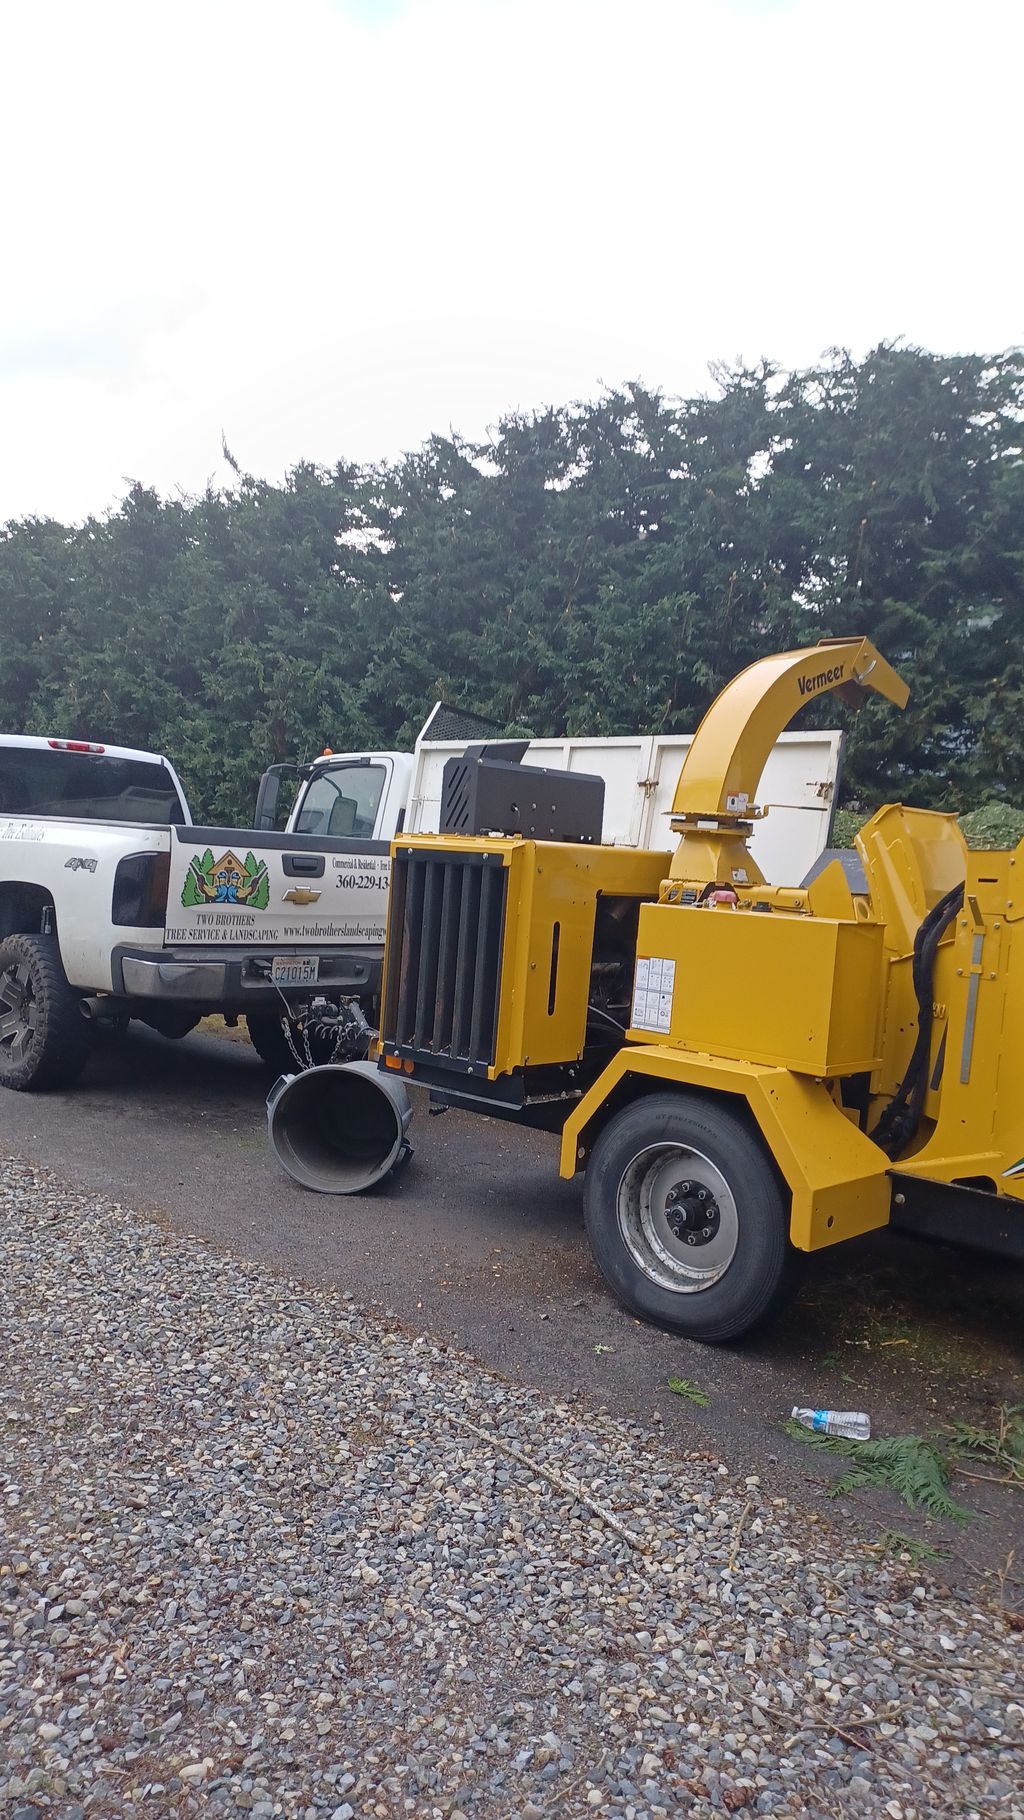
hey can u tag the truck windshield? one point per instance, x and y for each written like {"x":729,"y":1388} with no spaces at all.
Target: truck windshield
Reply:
{"x":86,"y":786}
{"x":342,"y":800}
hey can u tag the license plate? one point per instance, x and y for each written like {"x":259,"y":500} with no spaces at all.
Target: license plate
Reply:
{"x":293,"y":970}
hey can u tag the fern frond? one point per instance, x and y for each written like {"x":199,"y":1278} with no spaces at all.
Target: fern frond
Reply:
{"x":913,"y":1468}
{"x":825,"y":1443}
{"x":683,"y":1387}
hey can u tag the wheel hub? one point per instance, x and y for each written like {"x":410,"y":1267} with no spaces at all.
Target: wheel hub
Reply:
{"x":692,"y":1213}
{"x":678,"y":1217}
{"x":17,"y":1012}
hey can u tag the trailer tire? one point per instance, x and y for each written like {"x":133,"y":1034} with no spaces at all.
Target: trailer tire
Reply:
{"x":45,"y":1039}
{"x":686,"y":1217}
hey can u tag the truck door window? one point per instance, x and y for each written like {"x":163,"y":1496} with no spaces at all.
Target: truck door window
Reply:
{"x":86,"y":786}
{"x":343,"y":800}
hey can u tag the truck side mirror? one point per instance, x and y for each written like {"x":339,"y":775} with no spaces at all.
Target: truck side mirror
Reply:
{"x":265,"y":815}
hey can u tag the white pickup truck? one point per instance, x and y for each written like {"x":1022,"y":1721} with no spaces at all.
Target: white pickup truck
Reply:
{"x":113,"y":905}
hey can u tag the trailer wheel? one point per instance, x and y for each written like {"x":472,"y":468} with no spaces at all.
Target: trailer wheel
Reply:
{"x":44,"y":1037}
{"x":686,"y":1218}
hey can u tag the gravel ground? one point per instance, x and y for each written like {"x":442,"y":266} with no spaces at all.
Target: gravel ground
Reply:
{"x":262,"y":1553}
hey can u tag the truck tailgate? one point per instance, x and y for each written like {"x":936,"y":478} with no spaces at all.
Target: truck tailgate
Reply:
{"x":275,"y":890}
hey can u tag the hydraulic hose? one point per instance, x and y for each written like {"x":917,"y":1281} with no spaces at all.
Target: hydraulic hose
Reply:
{"x":900,"y":1118}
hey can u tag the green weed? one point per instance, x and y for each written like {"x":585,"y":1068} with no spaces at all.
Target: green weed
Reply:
{"x":682,"y":1387}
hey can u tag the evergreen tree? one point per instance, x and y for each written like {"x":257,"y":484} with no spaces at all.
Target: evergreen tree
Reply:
{"x":600,"y":568}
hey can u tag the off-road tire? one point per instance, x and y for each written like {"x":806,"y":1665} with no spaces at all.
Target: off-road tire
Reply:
{"x":54,"y":1041}
{"x":757,"y":1280}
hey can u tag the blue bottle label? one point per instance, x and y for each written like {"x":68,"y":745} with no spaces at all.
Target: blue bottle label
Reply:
{"x":820,"y":1422}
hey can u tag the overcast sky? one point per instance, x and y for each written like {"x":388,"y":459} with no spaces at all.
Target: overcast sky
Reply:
{"x":330,"y":227}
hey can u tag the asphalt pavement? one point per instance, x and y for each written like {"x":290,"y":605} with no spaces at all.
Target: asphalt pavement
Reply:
{"x":478,"y":1243}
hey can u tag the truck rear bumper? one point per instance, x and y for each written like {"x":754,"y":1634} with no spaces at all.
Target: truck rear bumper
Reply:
{"x":232,"y":981}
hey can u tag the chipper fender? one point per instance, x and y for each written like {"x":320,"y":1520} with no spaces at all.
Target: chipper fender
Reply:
{"x":836,"y":1176}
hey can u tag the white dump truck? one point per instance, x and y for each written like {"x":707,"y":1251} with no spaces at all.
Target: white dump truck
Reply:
{"x":376,"y":795}
{"x":114,"y":905}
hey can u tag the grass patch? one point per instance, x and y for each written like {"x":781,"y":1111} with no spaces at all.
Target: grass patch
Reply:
{"x":893,"y":1333}
{"x":913,"y":1468}
{"x":682,"y":1387}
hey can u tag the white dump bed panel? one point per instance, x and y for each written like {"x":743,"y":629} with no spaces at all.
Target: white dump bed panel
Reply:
{"x":640,"y":773}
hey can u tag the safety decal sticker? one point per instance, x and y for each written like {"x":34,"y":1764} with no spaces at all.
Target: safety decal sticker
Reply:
{"x":652,"y":994}
{"x":226,"y":881}
{"x":1018,"y":1169}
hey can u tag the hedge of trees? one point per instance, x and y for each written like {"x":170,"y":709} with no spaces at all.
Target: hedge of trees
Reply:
{"x":601,"y":567}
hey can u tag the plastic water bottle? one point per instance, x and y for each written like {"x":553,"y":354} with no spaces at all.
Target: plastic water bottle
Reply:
{"x":849,"y":1423}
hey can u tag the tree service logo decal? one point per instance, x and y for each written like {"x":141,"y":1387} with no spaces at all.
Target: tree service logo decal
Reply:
{"x":226,"y":881}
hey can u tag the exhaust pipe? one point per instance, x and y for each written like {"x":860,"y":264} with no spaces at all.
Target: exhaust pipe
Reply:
{"x":341,"y":1128}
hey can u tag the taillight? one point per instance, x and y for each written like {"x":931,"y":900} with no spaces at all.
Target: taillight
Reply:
{"x":73,"y":745}
{"x":140,"y":890}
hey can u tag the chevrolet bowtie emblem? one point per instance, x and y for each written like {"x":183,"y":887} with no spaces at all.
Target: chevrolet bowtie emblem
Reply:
{"x":301,"y":894}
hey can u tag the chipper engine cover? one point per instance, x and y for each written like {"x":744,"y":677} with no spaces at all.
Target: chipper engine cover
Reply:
{"x":487,"y":790}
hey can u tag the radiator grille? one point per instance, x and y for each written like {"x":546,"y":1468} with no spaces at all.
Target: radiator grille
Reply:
{"x":446,"y":920}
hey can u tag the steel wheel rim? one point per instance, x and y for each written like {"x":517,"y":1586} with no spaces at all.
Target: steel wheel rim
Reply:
{"x":17,"y":1011}
{"x":673,"y":1252}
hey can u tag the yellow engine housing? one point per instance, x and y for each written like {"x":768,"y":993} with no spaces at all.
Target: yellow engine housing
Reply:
{"x":490,"y":943}
{"x":799,"y":992}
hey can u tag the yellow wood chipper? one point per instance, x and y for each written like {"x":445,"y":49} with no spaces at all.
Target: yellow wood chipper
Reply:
{"x":744,"y":1071}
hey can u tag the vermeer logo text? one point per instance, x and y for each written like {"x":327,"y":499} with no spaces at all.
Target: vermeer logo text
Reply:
{"x":821,"y":679}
